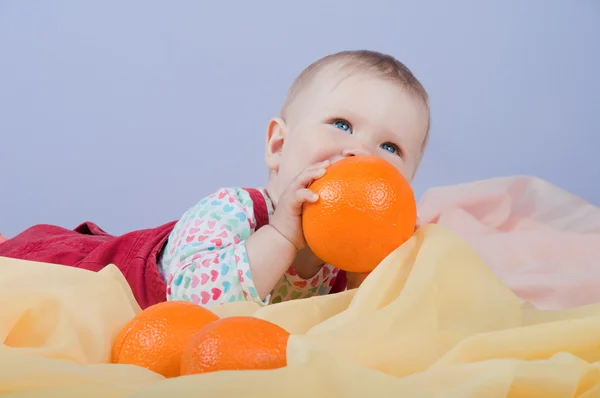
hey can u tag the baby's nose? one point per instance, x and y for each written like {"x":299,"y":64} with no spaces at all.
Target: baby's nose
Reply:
{"x":356,"y":151}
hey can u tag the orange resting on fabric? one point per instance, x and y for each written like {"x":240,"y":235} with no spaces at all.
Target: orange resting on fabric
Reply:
{"x":155,"y":338}
{"x":366,"y":209}
{"x":236,"y":343}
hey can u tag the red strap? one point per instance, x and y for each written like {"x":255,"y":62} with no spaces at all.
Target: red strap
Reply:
{"x":339,"y":284}
{"x":90,"y":228}
{"x":261,"y":213}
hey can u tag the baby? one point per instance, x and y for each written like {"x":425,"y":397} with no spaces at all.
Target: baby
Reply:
{"x":247,"y":244}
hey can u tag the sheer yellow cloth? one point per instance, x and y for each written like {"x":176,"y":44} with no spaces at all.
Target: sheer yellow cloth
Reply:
{"x":430,"y":321}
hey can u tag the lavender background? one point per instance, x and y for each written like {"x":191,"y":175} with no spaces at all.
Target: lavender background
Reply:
{"x":127,"y":113}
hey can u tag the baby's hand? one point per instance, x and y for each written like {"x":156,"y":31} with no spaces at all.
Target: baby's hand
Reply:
{"x":354,"y":279}
{"x":287,"y":217}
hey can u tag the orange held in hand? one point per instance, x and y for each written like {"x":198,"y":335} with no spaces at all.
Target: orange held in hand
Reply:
{"x":155,"y":338}
{"x":236,"y":343}
{"x":366,"y":209}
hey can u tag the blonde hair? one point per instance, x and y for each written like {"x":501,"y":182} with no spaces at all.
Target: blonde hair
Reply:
{"x":382,"y":65}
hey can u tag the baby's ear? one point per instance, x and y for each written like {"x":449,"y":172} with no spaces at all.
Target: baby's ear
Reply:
{"x":275,"y":139}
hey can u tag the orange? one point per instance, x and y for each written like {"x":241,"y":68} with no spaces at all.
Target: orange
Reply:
{"x":236,"y":343}
{"x":366,"y":209}
{"x":155,"y":338}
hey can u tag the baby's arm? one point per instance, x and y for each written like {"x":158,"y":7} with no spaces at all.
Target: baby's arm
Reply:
{"x":273,"y":249}
{"x":214,"y":256}
{"x":270,"y":255}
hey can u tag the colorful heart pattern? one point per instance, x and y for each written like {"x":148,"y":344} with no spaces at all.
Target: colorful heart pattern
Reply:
{"x":205,"y":260}
{"x":292,"y":286}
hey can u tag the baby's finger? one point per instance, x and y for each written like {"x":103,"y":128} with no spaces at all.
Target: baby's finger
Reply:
{"x":306,"y":195}
{"x":309,"y":175}
{"x":317,"y":166}
{"x":320,"y":165}
{"x":300,"y":197}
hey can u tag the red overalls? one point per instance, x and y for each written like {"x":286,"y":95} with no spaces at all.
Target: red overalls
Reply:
{"x":135,"y":253}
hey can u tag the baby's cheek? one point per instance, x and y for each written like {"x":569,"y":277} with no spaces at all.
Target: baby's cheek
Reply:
{"x":406,"y":170}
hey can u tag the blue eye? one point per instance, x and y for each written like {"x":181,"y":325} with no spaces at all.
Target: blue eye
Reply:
{"x":390,"y":147}
{"x":342,"y":125}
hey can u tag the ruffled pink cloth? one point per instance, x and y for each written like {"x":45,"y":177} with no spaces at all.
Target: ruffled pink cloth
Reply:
{"x":541,"y":241}
{"x":2,"y":238}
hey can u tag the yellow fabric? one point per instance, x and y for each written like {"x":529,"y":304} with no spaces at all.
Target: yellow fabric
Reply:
{"x":430,"y":321}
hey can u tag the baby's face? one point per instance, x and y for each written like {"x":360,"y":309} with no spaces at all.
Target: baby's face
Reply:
{"x":361,"y":114}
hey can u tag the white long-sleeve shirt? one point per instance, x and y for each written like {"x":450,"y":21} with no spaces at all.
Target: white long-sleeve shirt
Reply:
{"x":205,"y":259}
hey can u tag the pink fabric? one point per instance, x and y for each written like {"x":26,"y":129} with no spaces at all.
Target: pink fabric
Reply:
{"x":541,"y":241}
{"x":2,"y":238}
